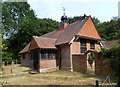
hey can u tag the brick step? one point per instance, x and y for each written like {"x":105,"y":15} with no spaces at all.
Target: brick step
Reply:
{"x":90,"y":72}
{"x":33,"y":71}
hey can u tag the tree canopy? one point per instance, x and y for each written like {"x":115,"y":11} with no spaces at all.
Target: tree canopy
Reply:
{"x":20,"y":24}
{"x":109,"y":30}
{"x":13,"y":15}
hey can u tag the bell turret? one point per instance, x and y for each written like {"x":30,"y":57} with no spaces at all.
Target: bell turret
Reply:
{"x":64,"y":17}
{"x":64,"y":20}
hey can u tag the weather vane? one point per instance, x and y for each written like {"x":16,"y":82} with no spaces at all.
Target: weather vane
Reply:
{"x":63,"y":10}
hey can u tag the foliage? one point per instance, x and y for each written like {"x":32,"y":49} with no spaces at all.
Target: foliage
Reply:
{"x":13,"y":14}
{"x":113,"y":57}
{"x":109,"y":30}
{"x":75,"y":18}
{"x":20,"y":24}
{"x":91,"y":58}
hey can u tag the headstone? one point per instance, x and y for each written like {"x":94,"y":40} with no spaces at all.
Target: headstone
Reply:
{"x":12,"y":63}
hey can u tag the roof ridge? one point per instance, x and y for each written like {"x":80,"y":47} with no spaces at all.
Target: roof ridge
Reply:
{"x":79,"y":20}
{"x":45,"y":37}
{"x":50,"y":32}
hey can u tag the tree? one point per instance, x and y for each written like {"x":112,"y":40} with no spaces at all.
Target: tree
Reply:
{"x":109,"y":30}
{"x":96,"y":21}
{"x":29,"y":28}
{"x":13,"y":14}
{"x":22,"y":25}
{"x":75,"y":18}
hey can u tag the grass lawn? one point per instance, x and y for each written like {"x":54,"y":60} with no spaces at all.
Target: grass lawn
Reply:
{"x":16,"y":70}
{"x":51,"y":78}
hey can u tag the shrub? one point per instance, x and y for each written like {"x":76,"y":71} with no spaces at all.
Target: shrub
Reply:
{"x":113,"y":57}
{"x":91,"y":58}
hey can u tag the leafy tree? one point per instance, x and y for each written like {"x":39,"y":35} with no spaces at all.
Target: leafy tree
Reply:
{"x":109,"y":30}
{"x":96,"y":21}
{"x":20,"y":24}
{"x":13,"y":14}
{"x":75,"y":18}
{"x":29,"y":28}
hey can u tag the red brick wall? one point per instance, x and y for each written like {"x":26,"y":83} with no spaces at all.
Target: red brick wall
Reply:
{"x":47,"y":64}
{"x":66,"y":58}
{"x":79,"y":63}
{"x":75,"y":47}
{"x":102,"y":67}
{"x":25,"y":62}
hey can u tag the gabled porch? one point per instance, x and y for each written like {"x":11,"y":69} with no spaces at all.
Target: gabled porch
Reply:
{"x":42,"y":60}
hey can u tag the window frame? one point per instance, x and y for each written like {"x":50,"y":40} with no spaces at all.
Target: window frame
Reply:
{"x":83,"y":45}
{"x":92,"y":44}
{"x":48,"y":56}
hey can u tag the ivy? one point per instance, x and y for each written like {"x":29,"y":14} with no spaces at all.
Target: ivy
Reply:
{"x":113,"y":57}
{"x":91,"y":58}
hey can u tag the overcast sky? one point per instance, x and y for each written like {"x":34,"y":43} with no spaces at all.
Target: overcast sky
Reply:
{"x":104,"y":10}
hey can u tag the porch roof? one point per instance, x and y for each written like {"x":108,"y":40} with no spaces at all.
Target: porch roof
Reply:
{"x":43,"y":42}
{"x":110,"y":44}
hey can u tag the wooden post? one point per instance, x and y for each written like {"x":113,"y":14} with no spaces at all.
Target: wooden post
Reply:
{"x":97,"y":83}
{"x":11,"y":71}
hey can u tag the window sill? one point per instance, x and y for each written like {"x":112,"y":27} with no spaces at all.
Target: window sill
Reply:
{"x":47,"y":59}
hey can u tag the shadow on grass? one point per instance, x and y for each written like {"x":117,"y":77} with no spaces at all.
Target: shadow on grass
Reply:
{"x":26,"y":71}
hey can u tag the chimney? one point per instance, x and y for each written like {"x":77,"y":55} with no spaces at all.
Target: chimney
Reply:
{"x":63,"y":25}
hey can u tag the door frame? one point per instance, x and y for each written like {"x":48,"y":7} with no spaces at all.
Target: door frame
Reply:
{"x":36,"y":59}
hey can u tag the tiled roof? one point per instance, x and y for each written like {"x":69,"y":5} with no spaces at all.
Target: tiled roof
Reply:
{"x":51,"y":34}
{"x":110,"y":44}
{"x":25,"y":49}
{"x":44,"y":42}
{"x":60,"y":36}
{"x":71,"y":30}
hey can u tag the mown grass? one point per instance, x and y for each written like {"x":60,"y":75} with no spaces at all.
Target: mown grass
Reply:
{"x":16,"y":70}
{"x":53,"y":78}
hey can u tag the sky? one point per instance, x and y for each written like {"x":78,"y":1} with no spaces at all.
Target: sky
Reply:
{"x":104,"y":10}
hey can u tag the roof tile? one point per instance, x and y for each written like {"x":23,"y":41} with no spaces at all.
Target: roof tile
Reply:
{"x":110,"y":44}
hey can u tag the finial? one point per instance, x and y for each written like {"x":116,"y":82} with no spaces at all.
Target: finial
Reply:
{"x":64,"y":17}
{"x":63,"y":10}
